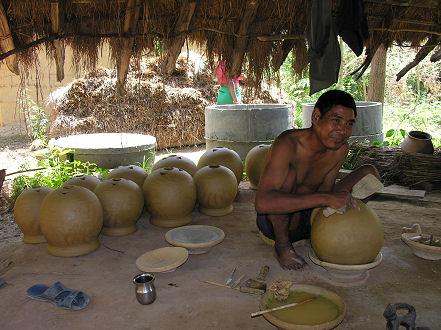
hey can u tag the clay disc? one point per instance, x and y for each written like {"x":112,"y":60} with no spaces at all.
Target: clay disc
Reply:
{"x":197,"y":238}
{"x":162,"y":260}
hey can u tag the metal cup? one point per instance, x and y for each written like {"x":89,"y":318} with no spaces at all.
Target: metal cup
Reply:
{"x":144,"y":288}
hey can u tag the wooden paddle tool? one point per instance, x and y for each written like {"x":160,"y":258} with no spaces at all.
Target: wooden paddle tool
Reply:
{"x":256,"y":285}
{"x":280,"y":307}
{"x":367,"y":186}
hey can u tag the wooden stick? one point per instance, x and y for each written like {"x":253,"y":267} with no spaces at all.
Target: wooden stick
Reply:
{"x":280,"y":307}
{"x":221,"y":285}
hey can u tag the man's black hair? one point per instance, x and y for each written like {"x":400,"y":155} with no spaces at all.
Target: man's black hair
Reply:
{"x":335,"y":97}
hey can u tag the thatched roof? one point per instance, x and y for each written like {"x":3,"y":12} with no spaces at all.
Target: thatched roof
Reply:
{"x":258,"y":32}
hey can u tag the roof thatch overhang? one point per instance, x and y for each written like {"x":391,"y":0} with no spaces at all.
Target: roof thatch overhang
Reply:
{"x":259,"y":32}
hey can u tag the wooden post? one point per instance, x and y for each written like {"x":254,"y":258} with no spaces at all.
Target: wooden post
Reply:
{"x":57,"y":17}
{"x":174,"y":46}
{"x":2,"y":178}
{"x":130,"y":21}
{"x":6,"y":42}
{"x":241,"y":42}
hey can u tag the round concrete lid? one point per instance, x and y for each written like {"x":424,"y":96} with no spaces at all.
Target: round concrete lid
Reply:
{"x":197,"y":238}
{"x":106,"y":142}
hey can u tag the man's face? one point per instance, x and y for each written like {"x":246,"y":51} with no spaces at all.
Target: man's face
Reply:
{"x":335,"y":127}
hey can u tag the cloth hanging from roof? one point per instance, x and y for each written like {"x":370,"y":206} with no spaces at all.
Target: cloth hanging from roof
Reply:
{"x":352,"y":24}
{"x":324,"y":50}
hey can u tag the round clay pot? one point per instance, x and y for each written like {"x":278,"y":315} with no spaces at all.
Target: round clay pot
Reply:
{"x":86,"y":181}
{"x":27,"y":213}
{"x":181,"y":162}
{"x":170,"y":197}
{"x":71,"y":218}
{"x":352,"y":238}
{"x":216,"y":188}
{"x":419,"y":142}
{"x":122,"y":201}
{"x":130,"y":172}
{"x":223,"y":156}
{"x":254,"y":163}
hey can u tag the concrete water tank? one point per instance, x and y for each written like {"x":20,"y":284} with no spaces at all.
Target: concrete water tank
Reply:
{"x":109,"y":150}
{"x":368,"y":124}
{"x":241,"y":127}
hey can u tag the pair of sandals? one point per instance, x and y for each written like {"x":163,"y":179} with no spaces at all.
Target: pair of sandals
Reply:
{"x":59,"y":295}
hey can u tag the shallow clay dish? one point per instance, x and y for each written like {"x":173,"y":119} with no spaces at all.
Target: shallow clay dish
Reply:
{"x":346,"y":272}
{"x":315,"y":290}
{"x":425,"y":251}
{"x":162,"y":260}
{"x":197,"y":239}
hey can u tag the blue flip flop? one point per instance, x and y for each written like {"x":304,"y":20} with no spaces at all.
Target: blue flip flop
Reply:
{"x":59,"y":295}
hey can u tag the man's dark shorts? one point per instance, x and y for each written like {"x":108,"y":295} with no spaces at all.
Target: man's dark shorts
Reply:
{"x":303,"y":231}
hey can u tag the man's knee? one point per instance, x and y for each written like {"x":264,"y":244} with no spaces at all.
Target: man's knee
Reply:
{"x":368,"y":169}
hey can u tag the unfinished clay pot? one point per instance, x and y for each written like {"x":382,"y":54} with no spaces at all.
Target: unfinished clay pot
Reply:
{"x":223,"y":156}
{"x":170,"y":196}
{"x":216,"y":189}
{"x":176,"y":161}
{"x":419,"y":142}
{"x":130,"y":172}
{"x":71,"y":218}
{"x":352,"y":238}
{"x":86,"y":181}
{"x":254,"y":163}
{"x":27,"y":213}
{"x":122,"y":201}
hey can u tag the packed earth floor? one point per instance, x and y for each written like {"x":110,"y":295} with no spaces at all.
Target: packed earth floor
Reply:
{"x":186,"y":301}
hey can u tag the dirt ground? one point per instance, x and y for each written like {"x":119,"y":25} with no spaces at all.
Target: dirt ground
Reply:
{"x":184,"y":300}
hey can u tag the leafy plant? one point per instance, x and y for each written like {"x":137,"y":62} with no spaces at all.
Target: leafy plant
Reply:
{"x":35,"y":117}
{"x":56,"y":172}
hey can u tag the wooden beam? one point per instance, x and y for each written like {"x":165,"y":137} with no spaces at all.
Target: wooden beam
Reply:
{"x":6,"y":42}
{"x":241,"y":42}
{"x":130,"y":20}
{"x":57,"y":18}
{"x":430,"y":4}
{"x":174,"y":46}
{"x":421,"y":55}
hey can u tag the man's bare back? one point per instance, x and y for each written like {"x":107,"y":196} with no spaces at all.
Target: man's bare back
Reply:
{"x":300,"y":173}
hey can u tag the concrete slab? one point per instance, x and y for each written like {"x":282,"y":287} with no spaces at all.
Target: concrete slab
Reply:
{"x":184,"y":301}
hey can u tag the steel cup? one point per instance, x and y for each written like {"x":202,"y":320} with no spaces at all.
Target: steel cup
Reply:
{"x":144,"y":288}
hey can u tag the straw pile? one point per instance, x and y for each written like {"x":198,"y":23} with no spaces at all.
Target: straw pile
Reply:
{"x":396,"y":166}
{"x":172,"y":109}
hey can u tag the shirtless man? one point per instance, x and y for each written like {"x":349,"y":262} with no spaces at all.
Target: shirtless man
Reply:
{"x":300,"y":174}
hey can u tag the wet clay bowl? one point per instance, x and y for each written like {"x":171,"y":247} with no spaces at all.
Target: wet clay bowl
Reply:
{"x":346,"y":273}
{"x":196,"y":239}
{"x":162,"y":260}
{"x":425,"y":251}
{"x":307,"y":316}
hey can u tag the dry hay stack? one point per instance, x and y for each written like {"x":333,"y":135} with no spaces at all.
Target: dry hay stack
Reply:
{"x":172,"y":109}
{"x":399,"y":167}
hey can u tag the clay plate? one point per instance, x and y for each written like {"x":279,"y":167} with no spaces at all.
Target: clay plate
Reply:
{"x":197,"y":239}
{"x":162,"y":260}
{"x":310,"y":289}
{"x":346,"y":272}
{"x":421,"y":250}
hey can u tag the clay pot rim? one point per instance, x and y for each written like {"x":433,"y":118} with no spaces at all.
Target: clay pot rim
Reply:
{"x":330,"y":265}
{"x":419,"y":135}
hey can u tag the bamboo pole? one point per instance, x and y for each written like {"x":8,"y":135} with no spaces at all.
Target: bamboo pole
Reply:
{"x":6,"y":42}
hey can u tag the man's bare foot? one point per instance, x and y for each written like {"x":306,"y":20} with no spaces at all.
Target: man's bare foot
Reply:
{"x":288,"y":259}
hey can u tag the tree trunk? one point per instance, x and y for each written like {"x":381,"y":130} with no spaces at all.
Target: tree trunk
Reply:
{"x":378,"y":76}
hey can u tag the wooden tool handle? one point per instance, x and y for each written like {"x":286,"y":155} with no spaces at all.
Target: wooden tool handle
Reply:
{"x":280,"y":307}
{"x":221,"y":285}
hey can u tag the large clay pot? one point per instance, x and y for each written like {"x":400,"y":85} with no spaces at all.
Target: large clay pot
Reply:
{"x":176,"y":161}
{"x":216,"y":189}
{"x":170,"y":197}
{"x":130,"y":172}
{"x":254,"y":163}
{"x":27,"y":213}
{"x":223,"y":156}
{"x":122,"y":202}
{"x":419,"y":142}
{"x":352,"y":238}
{"x":86,"y":181}
{"x":71,"y":218}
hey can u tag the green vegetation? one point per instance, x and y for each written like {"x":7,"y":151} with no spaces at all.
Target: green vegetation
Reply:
{"x":412,"y":103}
